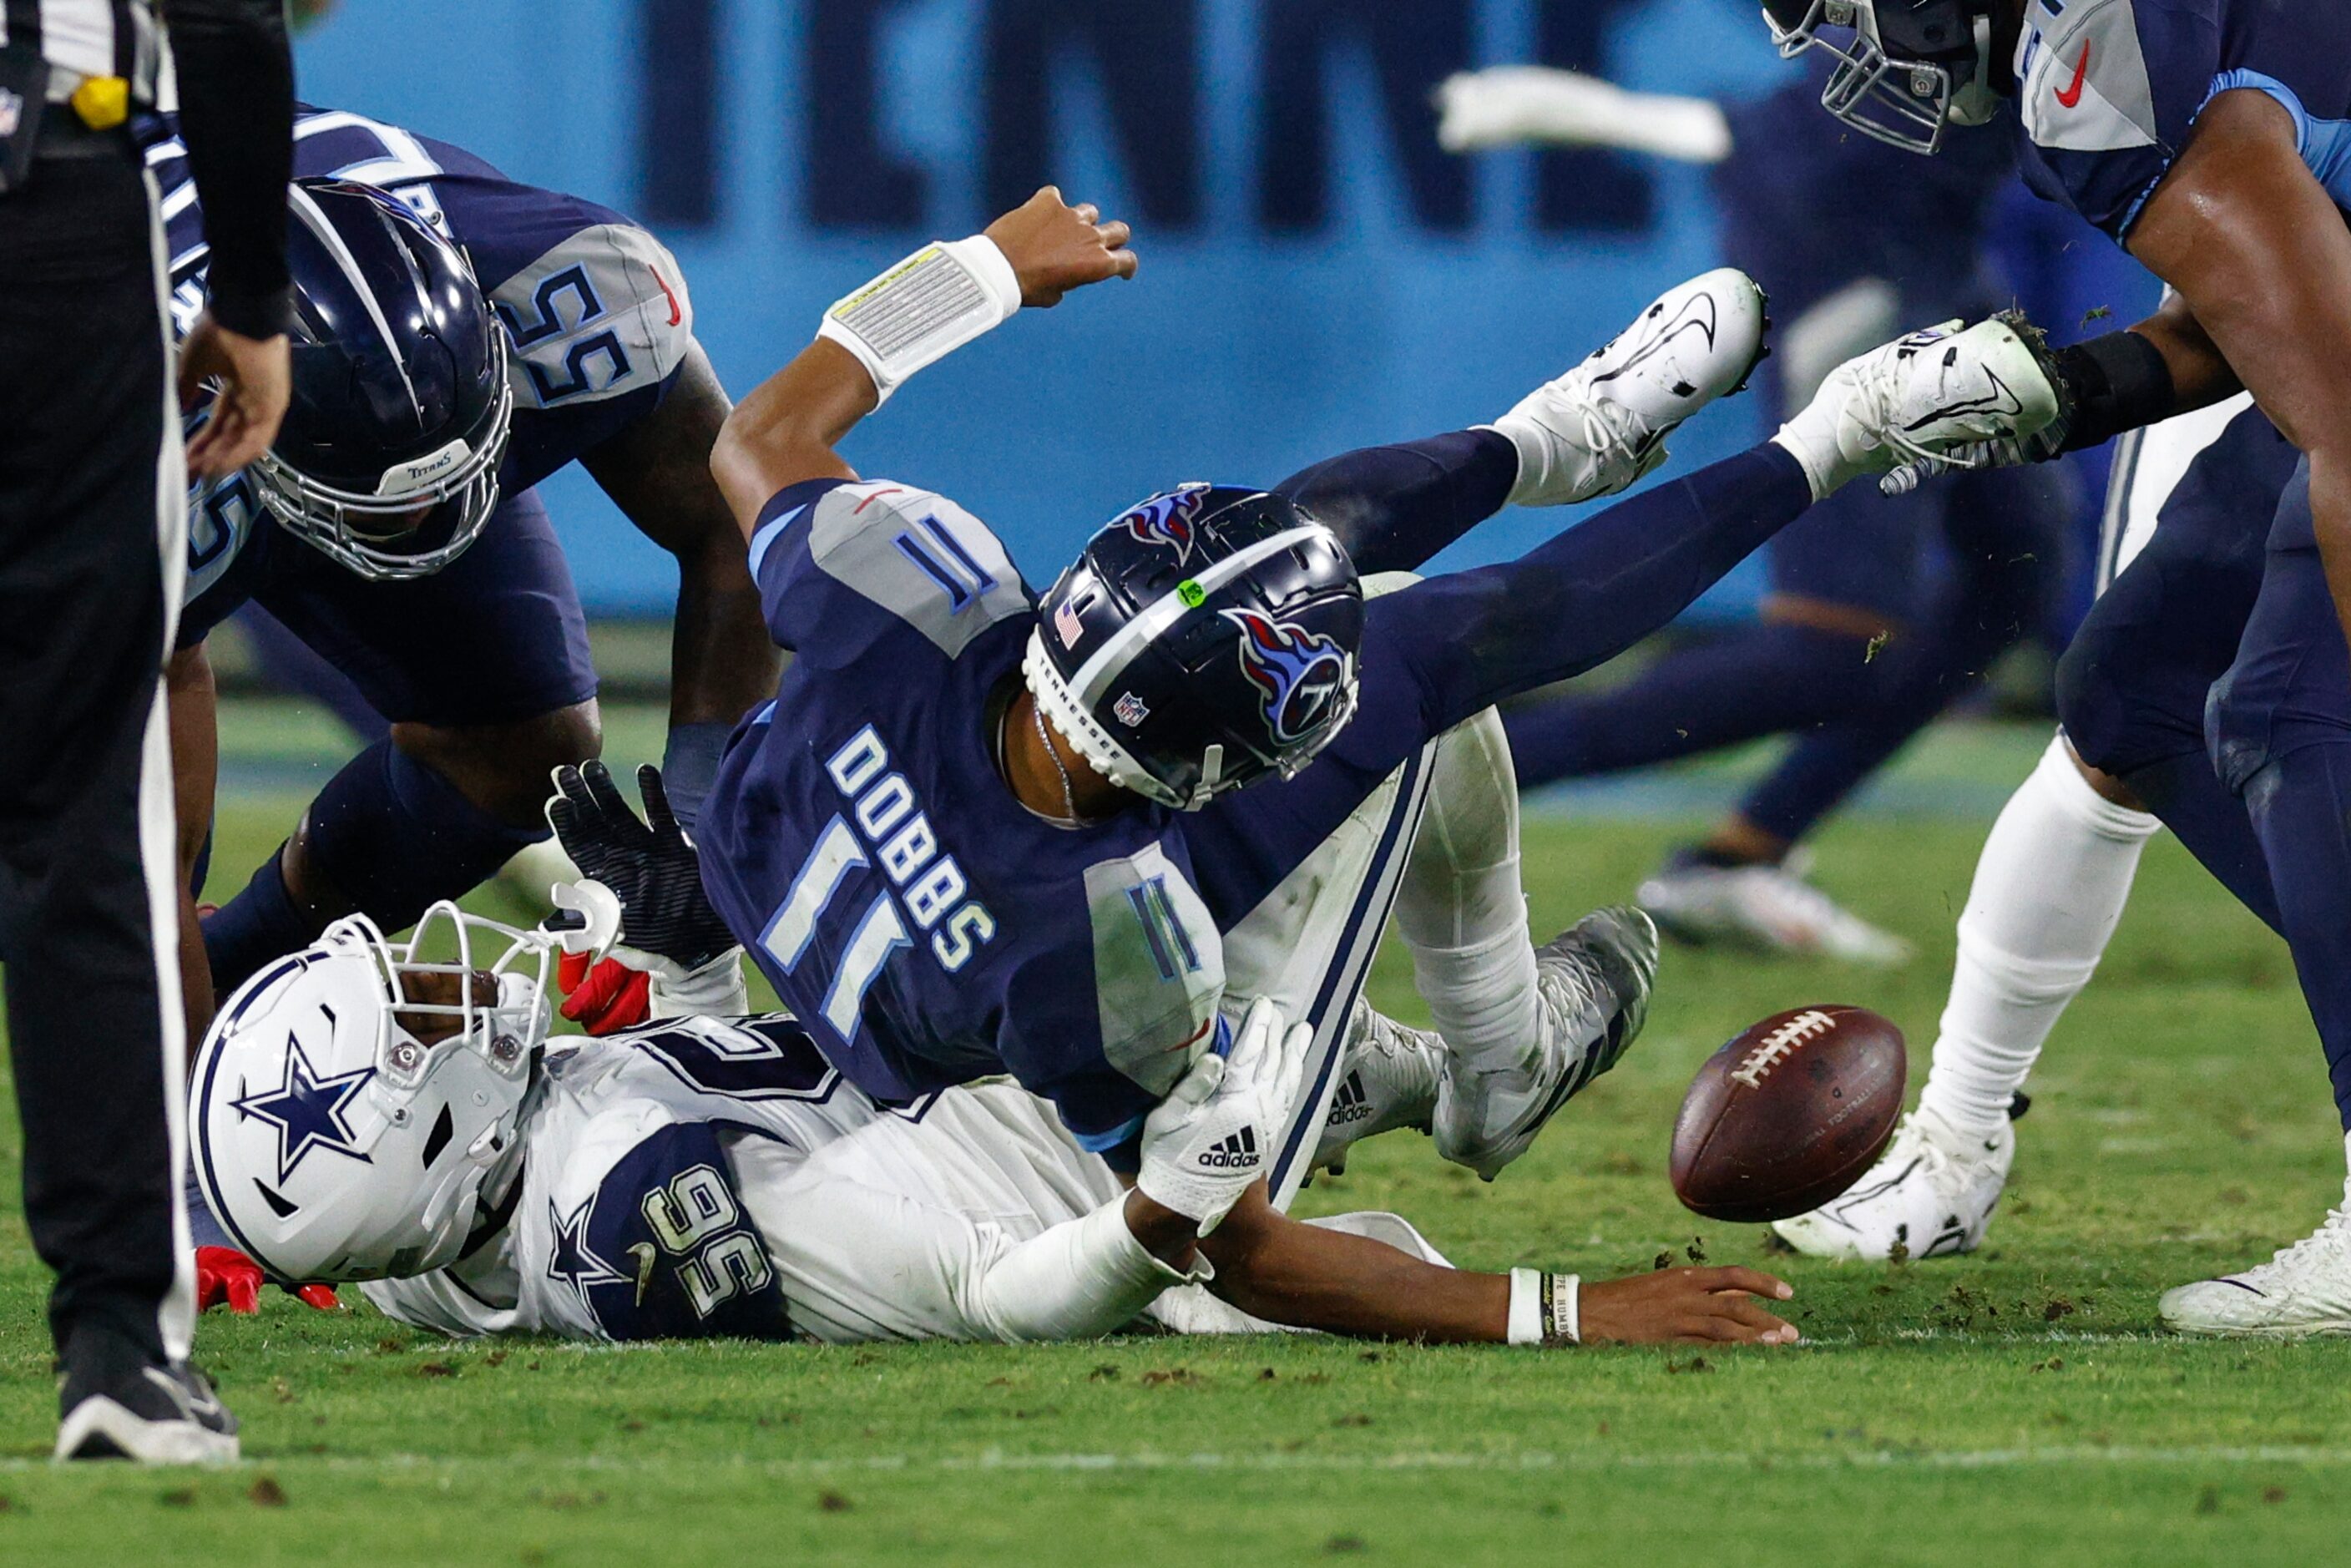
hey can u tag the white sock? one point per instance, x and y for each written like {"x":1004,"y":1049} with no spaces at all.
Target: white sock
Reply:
{"x":2049,"y":889}
{"x":1461,"y":911}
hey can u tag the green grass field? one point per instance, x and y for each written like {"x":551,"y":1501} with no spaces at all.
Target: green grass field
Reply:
{"x":2018,"y":1406}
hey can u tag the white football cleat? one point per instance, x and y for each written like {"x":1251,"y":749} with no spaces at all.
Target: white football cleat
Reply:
{"x":1593,"y":981}
{"x":1770,"y":908}
{"x":1931,"y":1194}
{"x":1388,"y":1081}
{"x":2304,"y":1289}
{"x":1604,"y":425}
{"x":1928,"y":397}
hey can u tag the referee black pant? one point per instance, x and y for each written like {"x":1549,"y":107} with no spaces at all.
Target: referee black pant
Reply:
{"x":93,"y":548}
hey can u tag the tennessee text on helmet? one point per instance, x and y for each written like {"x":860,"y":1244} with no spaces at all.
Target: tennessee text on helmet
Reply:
{"x":388,"y":460}
{"x":339,"y":1134}
{"x":1205,"y":638}
{"x":1905,"y":69}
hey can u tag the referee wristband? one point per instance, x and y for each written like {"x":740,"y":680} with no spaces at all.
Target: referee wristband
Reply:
{"x":924,"y":309}
{"x":1545,"y":1309}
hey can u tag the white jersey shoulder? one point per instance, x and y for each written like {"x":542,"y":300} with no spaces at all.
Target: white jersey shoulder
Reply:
{"x":917,"y":555}
{"x":1159,"y":967}
{"x":2085,"y":87}
{"x":602,"y":314}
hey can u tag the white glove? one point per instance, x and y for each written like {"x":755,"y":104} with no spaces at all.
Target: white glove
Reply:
{"x":714,"y":989}
{"x":1213,"y":1136}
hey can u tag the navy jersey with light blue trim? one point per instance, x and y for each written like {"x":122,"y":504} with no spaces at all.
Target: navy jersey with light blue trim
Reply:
{"x":596,"y":311}
{"x":2109,"y":89}
{"x":926,"y":928}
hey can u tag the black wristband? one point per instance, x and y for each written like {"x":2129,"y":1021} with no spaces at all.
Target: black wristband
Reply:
{"x":2113,"y":383}
{"x":258,"y":315}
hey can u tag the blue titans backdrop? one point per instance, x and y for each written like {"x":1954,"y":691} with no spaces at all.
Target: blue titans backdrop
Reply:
{"x":1316,"y":274}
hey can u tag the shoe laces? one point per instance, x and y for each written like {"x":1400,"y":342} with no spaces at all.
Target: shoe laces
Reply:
{"x":2330,"y":1243}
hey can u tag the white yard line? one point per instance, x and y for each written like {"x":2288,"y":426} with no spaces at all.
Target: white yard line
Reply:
{"x":993,"y":1460}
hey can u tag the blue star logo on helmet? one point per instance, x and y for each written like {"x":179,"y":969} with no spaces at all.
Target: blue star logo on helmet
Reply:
{"x":308,"y":1110}
{"x":1298,"y":674}
{"x":1168,"y":520}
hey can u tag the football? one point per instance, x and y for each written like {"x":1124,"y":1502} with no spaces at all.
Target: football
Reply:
{"x":1789,"y":1114}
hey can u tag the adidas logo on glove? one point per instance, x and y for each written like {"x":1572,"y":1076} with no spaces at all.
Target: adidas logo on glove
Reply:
{"x":1238,"y":1152}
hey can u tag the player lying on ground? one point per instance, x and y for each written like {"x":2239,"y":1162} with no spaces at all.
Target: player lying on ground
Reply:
{"x":979,"y":832}
{"x":461,"y":337}
{"x":365,"y":1113}
{"x":2211,"y":683}
{"x":1882,"y":611}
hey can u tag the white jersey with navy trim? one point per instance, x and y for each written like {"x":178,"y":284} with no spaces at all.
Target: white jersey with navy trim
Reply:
{"x":707,"y":1176}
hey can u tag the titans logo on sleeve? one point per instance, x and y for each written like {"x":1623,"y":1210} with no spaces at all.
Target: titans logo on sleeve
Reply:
{"x":308,"y":1111}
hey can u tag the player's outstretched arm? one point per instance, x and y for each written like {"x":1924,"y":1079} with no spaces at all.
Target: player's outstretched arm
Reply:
{"x":1275,"y":1267}
{"x":2258,"y":251}
{"x":927,"y":305}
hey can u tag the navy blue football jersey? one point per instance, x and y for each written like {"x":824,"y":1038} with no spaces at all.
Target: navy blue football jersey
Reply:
{"x":925,"y":926}
{"x":2109,"y":89}
{"x":595,"y":309}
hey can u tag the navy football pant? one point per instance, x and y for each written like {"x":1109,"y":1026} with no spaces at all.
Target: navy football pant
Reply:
{"x":2001,"y":534}
{"x":1446,"y":649}
{"x":2131,"y":689}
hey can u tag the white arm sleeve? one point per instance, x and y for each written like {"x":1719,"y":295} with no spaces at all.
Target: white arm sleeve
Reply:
{"x":859,"y":1263}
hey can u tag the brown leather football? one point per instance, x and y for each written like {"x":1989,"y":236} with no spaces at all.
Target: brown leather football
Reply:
{"x":1789,"y":1114}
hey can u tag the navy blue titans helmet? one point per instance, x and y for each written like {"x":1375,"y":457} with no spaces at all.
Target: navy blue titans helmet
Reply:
{"x":1206,"y":637}
{"x":1905,"y":68}
{"x":388,"y":460}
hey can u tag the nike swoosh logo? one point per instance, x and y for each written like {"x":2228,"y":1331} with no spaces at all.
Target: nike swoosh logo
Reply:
{"x":1697,"y":315}
{"x":2000,"y":400}
{"x":2071,"y":96}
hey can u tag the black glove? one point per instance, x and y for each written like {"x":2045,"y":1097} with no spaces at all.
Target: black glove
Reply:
{"x":652,"y":869}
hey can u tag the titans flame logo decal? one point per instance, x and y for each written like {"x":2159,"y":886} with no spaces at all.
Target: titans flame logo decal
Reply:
{"x":1298,"y":674}
{"x":1168,"y":520}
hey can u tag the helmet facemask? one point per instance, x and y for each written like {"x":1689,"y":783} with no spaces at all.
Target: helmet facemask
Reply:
{"x":1900,"y":91}
{"x":363,"y":532}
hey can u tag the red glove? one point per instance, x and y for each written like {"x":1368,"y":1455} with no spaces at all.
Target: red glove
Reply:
{"x":224,"y":1274}
{"x":605,"y":998}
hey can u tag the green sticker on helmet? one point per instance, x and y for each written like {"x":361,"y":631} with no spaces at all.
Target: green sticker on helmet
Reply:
{"x":1190,"y":592}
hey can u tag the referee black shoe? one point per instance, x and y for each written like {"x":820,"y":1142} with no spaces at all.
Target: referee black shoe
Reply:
{"x":118,"y":1402}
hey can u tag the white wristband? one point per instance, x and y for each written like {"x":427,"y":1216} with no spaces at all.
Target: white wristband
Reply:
{"x":1545,"y":1309}
{"x":714,"y":990}
{"x":924,"y":309}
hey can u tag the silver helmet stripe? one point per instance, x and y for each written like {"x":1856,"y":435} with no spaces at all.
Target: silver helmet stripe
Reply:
{"x":1109,"y":661}
{"x":315,"y":221}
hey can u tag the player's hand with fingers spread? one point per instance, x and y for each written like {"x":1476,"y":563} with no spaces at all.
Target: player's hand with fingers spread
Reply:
{"x":255,"y":381}
{"x":1686,"y":1306}
{"x":664,"y":929}
{"x":1054,"y":247}
{"x":1212,"y":1138}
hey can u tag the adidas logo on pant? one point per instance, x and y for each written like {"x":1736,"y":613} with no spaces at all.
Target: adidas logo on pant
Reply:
{"x":1238,"y":1152}
{"x":1350,"y":1104}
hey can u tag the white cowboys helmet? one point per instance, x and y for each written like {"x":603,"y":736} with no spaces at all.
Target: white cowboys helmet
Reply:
{"x":1905,"y":68}
{"x":352,"y":1101}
